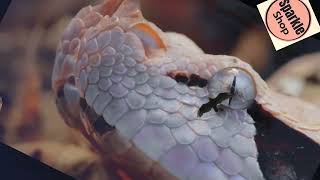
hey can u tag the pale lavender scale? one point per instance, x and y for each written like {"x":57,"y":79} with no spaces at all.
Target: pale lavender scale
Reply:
{"x":141,"y":78}
{"x":251,"y":169}
{"x":201,"y":101}
{"x":126,"y":50}
{"x":187,"y":99}
{"x":170,"y":106}
{"x":166,"y":93}
{"x":214,"y":120}
{"x":212,"y":68}
{"x":83,"y":80}
{"x":119,"y":69}
{"x":206,"y":149}
{"x":158,"y":63}
{"x":105,"y":71}
{"x":193,"y":68}
{"x":202,"y":65}
{"x":118,"y":90}
{"x":153,"y":71}
{"x":84,"y":60}
{"x":91,"y":33}
{"x":70,"y":63}
{"x":141,"y":68}
{"x":181,"y":88}
{"x":191,"y":91}
{"x":154,"y":82}
{"x":95,"y":60}
{"x":205,"y":74}
{"x":184,"y":134}
{"x":247,"y":118}
{"x":104,"y":39}
{"x":181,"y":63}
{"x":207,"y":171}
{"x":91,"y":93}
{"x":135,"y":100}
{"x":116,"y":78}
{"x":129,"y":62}
{"x":180,"y":161}
{"x":201,"y":92}
{"x":200,"y":127}
{"x":131,"y":123}
{"x":144,"y":89}
{"x":175,"y":121}
{"x":74,"y":46}
{"x":104,"y":84}
{"x":237,"y":177}
{"x":128,"y":82}
{"x":232,"y":122}
{"x":166,"y":82}
{"x":119,"y":58}
{"x":115,"y":110}
{"x":106,"y":23}
{"x":229,"y":162}
{"x":108,"y":51}
{"x":93,"y":77}
{"x":237,"y":115}
{"x":167,"y":68}
{"x":243,"y":146}
{"x":117,"y":37}
{"x":221,"y":136}
{"x":132,"y":72}
{"x":153,"y":102}
{"x":156,"y":116}
{"x":92,"y":19}
{"x":133,"y":41}
{"x":108,"y":61}
{"x":91,"y":46}
{"x":88,"y":68}
{"x":189,"y":112}
{"x":73,"y":29}
{"x":165,"y":61}
{"x":154,"y":141}
{"x":101,"y":102}
{"x":248,"y":131}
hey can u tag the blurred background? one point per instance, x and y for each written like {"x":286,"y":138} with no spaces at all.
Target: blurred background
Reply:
{"x":31,"y":29}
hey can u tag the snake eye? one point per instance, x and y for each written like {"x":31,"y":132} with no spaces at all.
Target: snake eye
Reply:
{"x":236,"y":85}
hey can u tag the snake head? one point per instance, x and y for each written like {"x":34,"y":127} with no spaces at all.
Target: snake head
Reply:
{"x":136,"y":92}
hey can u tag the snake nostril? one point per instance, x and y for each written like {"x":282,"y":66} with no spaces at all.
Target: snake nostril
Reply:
{"x":60,"y":93}
{"x":71,"y":80}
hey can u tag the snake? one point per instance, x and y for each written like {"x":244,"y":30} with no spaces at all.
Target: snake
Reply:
{"x":153,"y":103}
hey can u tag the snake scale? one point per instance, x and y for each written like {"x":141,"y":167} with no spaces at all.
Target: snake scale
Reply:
{"x":135,"y":92}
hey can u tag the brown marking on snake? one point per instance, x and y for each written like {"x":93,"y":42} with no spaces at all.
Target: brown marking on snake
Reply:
{"x":188,"y":79}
